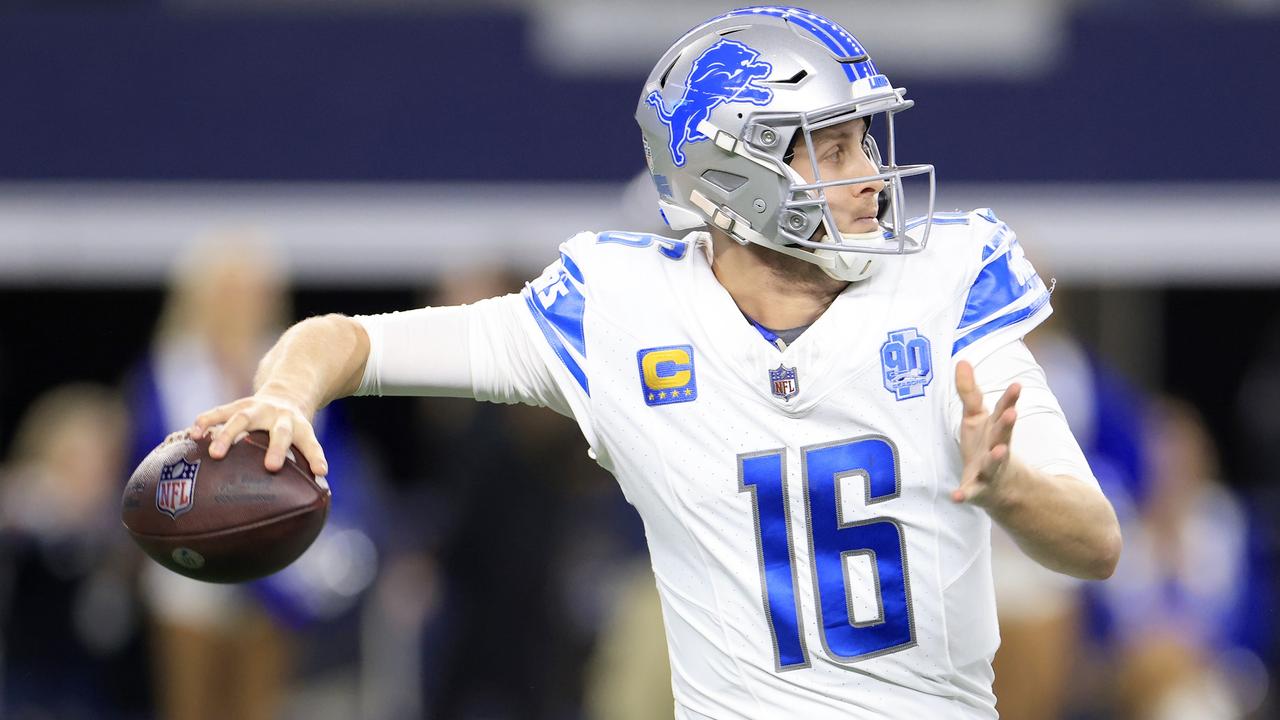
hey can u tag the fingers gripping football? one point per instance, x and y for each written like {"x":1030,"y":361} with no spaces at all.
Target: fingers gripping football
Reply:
{"x":284,"y":422}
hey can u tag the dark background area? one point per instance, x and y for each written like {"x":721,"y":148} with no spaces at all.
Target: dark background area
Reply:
{"x":145,"y":94}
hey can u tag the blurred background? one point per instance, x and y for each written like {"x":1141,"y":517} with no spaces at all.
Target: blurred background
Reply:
{"x":181,"y":179}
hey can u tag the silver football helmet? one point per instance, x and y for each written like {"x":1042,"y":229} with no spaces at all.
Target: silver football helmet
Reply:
{"x":725,"y":106}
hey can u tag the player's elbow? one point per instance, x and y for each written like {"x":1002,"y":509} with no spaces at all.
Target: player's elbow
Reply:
{"x":334,"y":330}
{"x":334,"y":347}
{"x":1107,"y":556}
{"x":328,"y":323}
{"x":352,"y":338}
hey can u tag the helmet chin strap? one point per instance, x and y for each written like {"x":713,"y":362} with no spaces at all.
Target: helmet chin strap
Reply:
{"x":846,"y":265}
{"x":852,"y":266}
{"x":839,"y":264}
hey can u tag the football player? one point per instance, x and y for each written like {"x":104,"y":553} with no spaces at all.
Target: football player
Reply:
{"x":813,"y":412}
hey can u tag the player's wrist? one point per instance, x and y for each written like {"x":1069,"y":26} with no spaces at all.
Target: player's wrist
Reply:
{"x":1009,"y":491}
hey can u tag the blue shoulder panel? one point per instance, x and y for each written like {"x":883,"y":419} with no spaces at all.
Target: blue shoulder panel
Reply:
{"x":1001,"y":322}
{"x":1006,"y":291}
{"x":557,"y":302}
{"x":1000,"y":283}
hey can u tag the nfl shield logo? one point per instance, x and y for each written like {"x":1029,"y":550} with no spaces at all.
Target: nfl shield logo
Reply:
{"x":785,"y":383}
{"x":176,"y":491}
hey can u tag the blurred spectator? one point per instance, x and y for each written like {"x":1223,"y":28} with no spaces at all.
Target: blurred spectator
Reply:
{"x":69,"y":618}
{"x":1178,"y":603}
{"x":227,"y":651}
{"x":495,"y":541}
{"x":1257,"y":431}
{"x":504,"y":479}
{"x":217,"y":654}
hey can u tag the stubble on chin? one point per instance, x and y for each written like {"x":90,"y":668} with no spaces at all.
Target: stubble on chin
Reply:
{"x":796,"y":272}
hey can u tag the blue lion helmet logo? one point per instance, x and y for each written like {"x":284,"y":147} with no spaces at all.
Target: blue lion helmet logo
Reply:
{"x":725,"y":72}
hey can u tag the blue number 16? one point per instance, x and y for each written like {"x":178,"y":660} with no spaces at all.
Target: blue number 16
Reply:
{"x":832,"y":540}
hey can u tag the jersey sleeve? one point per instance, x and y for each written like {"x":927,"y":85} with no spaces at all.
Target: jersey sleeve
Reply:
{"x":423,"y":352}
{"x":527,"y":347}
{"x":556,"y":303}
{"x":478,"y":351}
{"x":555,"y":321}
{"x":1004,"y":298}
{"x":1041,"y":437}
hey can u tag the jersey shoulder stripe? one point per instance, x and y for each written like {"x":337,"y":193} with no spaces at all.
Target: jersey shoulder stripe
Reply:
{"x":939,"y":218}
{"x":1006,"y":290}
{"x":557,"y":299}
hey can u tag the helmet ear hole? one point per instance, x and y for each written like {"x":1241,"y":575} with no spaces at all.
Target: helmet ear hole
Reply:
{"x":725,"y":181}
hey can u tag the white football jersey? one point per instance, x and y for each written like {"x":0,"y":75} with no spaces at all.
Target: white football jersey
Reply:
{"x":810,"y":561}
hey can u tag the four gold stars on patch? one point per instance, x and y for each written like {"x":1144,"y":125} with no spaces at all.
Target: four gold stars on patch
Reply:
{"x":688,"y":392}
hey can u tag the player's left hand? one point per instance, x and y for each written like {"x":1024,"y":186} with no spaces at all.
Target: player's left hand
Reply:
{"x":984,"y":439}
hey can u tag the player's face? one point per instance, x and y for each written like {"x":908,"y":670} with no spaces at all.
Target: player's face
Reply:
{"x":840,"y":156}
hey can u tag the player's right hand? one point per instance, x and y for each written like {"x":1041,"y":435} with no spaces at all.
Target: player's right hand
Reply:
{"x":283,"y":419}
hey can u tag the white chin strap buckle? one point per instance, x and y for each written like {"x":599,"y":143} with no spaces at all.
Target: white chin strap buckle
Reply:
{"x":722,"y":217}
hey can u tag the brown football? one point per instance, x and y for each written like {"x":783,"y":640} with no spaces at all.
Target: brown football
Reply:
{"x":227,"y":520}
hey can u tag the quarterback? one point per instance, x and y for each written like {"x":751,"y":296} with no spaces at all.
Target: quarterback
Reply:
{"x":809,"y":396}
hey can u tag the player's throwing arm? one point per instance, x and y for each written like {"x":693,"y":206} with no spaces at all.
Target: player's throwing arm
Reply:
{"x":315,"y":362}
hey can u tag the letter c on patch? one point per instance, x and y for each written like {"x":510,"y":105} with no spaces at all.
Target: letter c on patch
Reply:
{"x":665,"y":369}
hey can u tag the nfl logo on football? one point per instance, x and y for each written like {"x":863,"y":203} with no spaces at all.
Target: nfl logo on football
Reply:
{"x":176,"y":491}
{"x":785,"y":383}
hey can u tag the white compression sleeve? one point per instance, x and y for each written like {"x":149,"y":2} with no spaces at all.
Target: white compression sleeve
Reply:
{"x":506,"y":366}
{"x":482,"y":351}
{"x":418,"y":352}
{"x":1041,"y":437}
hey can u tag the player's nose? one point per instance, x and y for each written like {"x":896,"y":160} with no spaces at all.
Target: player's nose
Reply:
{"x":866,"y":168}
{"x":865,"y":185}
